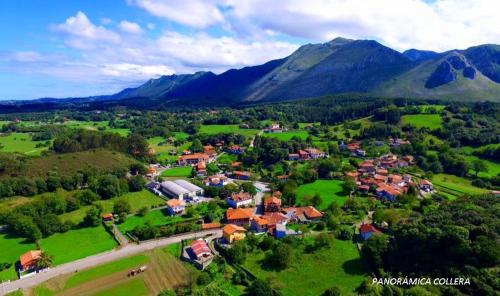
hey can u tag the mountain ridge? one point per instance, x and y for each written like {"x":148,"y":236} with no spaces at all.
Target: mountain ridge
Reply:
{"x":336,"y":67}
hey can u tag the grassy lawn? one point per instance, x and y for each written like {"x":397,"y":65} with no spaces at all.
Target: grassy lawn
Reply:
{"x":227,"y":158}
{"x":432,"y":121}
{"x":455,"y":185}
{"x":11,"y":248}
{"x":155,"y":217}
{"x":493,"y":168}
{"x":106,"y":269}
{"x":213,"y":129}
{"x":96,"y":125}
{"x":330,"y":190}
{"x":287,"y":136}
{"x":77,"y":243}
{"x":135,"y":287}
{"x":137,"y":200}
{"x":20,"y":142}
{"x":313,"y":273}
{"x":178,"y":172}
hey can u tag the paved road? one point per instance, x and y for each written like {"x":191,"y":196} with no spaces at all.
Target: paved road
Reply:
{"x":262,"y":189}
{"x":101,"y":258}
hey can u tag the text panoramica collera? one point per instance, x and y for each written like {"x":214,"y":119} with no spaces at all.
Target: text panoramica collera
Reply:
{"x":406,"y":281}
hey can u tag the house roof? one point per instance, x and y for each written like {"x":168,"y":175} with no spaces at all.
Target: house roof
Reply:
{"x":239,"y":213}
{"x":187,"y":185}
{"x":272,"y":200}
{"x":201,"y":165}
{"x":313,"y":151}
{"x":231,"y":228}
{"x":425,"y":182}
{"x":200,"y":247}
{"x":241,"y":196}
{"x":174,"y":203}
{"x":260,"y":220}
{"x":368,"y":228}
{"x":216,"y":179}
{"x":30,"y":256}
{"x":195,"y":156}
{"x":242,"y":173}
{"x":310,"y":212}
{"x":212,"y":225}
{"x":107,"y":216}
{"x":275,"y":218}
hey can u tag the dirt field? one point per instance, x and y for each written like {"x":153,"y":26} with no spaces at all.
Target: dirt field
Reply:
{"x":163,"y":271}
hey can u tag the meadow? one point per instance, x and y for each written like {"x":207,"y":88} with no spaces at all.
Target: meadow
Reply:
{"x":154,"y":217}
{"x":329,"y":190}
{"x":492,"y":168}
{"x":77,"y":243}
{"x":137,"y":200}
{"x":21,"y":143}
{"x":213,"y":129}
{"x":288,"y":135}
{"x":455,"y":186}
{"x":184,"y":172}
{"x":96,"y":125}
{"x":431,"y":121}
{"x":312,"y":273}
{"x":11,"y":248}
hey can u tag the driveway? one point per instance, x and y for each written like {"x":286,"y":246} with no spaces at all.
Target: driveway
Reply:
{"x":262,"y":188}
{"x":98,"y":259}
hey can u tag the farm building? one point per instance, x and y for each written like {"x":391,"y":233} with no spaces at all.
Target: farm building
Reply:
{"x":175,"y":206}
{"x":181,"y":189}
{"x":233,"y":233}
{"x":239,"y":216}
{"x":240,"y":199}
{"x":198,"y":253}
{"x":28,"y":261}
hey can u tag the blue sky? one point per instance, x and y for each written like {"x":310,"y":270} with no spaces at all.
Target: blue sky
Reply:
{"x":79,"y":48}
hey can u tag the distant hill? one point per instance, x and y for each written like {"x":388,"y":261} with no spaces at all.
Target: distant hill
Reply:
{"x":336,"y":67}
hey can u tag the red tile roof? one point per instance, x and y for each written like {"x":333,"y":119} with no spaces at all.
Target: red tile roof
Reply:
{"x":29,"y":258}
{"x":231,"y":228}
{"x":200,"y":248}
{"x":368,"y":228}
{"x":239,"y":213}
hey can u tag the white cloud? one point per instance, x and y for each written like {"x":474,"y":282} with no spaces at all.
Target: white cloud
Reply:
{"x":106,"y":21}
{"x":402,"y":24}
{"x":130,"y":27}
{"x":194,"y":13}
{"x":82,"y":33}
{"x":151,"y":26}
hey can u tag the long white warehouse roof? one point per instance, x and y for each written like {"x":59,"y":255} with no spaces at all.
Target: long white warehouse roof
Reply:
{"x":174,"y":188}
{"x":188,"y":185}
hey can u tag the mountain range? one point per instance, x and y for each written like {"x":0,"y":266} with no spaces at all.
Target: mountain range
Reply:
{"x":336,"y":67}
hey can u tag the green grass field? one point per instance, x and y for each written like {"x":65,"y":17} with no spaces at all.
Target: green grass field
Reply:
{"x":20,"y":142}
{"x":77,"y":243}
{"x":492,"y":168}
{"x":330,"y":190}
{"x":431,"y":121}
{"x":288,"y":135}
{"x":96,"y":125}
{"x":313,"y":273}
{"x":155,"y":217}
{"x":453,"y":185}
{"x":137,"y":200}
{"x":213,"y":129}
{"x":11,"y":247}
{"x":178,"y":172}
{"x":227,"y":158}
{"x":106,"y":269}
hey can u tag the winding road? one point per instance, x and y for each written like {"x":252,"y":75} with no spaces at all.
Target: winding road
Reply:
{"x":98,"y":259}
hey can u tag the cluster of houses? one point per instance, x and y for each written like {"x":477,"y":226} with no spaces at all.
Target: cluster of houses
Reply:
{"x":354,"y":148}
{"x":373,"y":174}
{"x":307,"y":154}
{"x":273,"y":220}
{"x":179,"y":191}
{"x":198,"y":160}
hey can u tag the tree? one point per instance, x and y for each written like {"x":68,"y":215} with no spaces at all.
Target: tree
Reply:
{"x":374,"y":249}
{"x":333,"y":291}
{"x":87,"y":196}
{"x":260,"y":288}
{"x":316,"y":200}
{"x":93,"y":217}
{"x":143,"y":211}
{"x":322,"y":240}
{"x":136,"y":183}
{"x":121,"y":206}
{"x":45,"y":261}
{"x":479,"y":166}
{"x":249,"y":187}
{"x":280,"y":256}
{"x":196,"y":146}
{"x":349,"y":185}
{"x":108,"y":186}
{"x":237,"y":253}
